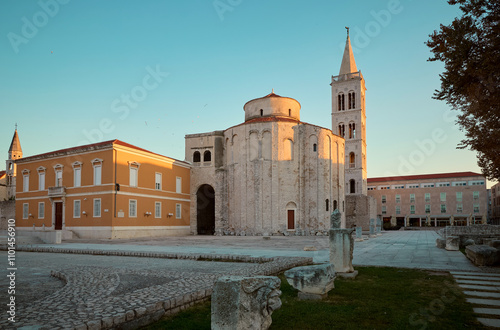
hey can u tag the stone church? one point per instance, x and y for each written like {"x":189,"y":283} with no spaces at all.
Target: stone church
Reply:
{"x":274,"y":174}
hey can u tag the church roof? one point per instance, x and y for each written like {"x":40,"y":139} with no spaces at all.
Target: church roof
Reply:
{"x":2,"y":174}
{"x":15,"y":145}
{"x":348,"y":63}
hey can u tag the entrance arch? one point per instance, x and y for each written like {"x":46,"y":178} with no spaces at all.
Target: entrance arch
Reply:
{"x":205,"y":210}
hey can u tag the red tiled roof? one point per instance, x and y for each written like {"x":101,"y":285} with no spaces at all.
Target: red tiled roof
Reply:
{"x":424,"y":177}
{"x":94,"y":145}
{"x":274,"y":119}
{"x":2,"y":174}
{"x":272,"y":95}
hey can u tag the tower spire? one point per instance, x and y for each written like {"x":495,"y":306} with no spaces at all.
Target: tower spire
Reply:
{"x":15,"y":150}
{"x":348,"y":63}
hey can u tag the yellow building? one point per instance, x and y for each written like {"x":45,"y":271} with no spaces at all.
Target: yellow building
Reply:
{"x":105,"y":190}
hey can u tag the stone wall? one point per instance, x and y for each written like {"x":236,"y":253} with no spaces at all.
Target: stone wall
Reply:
{"x":359,"y":210}
{"x":7,"y":211}
{"x":487,"y":230}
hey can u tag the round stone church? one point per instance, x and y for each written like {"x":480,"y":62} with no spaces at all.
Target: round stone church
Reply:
{"x":270,"y":175}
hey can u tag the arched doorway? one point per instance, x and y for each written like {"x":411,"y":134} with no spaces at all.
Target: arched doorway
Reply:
{"x":205,"y":210}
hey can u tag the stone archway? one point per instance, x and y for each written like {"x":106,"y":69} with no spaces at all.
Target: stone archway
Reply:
{"x":205,"y":210}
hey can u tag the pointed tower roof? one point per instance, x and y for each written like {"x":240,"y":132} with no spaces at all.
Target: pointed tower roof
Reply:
{"x":15,"y":145}
{"x":348,"y":63}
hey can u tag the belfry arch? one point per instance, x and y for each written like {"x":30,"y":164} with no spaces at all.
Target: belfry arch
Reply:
{"x":205,"y":210}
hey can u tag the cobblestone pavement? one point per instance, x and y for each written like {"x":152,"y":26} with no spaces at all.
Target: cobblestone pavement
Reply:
{"x":95,"y":291}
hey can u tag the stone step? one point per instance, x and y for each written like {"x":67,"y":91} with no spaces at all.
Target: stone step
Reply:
{"x":494,"y":323}
{"x":479,"y":287}
{"x":476,"y":282}
{"x":489,"y":311}
{"x":483,"y":294}
{"x":474,"y":273}
{"x":490,"y":302}
{"x":484,"y":278}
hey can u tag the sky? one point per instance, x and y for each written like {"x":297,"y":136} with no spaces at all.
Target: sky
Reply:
{"x":149,"y":72}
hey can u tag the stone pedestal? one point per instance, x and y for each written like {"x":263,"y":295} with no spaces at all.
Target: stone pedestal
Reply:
{"x":341,"y":249}
{"x":379,"y":227}
{"x":372,"y":228}
{"x":313,"y":282}
{"x":452,"y":243}
{"x":244,"y":302}
{"x":359,"y":234}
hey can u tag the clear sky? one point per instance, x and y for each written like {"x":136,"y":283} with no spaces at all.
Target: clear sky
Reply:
{"x":149,"y":72}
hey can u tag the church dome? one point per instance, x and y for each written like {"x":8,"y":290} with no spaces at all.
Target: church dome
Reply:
{"x":272,"y":105}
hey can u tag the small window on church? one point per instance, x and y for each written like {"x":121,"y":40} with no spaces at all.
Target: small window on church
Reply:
{"x":207,"y":156}
{"x":196,"y":157}
{"x":261,"y":112}
{"x":327,"y":204}
{"x":315,"y":147}
{"x":352,"y":100}
{"x":341,"y":101}
{"x":289,"y":112}
{"x":334,"y":204}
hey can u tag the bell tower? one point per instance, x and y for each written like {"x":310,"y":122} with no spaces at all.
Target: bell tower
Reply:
{"x":15,"y":152}
{"x":349,"y":120}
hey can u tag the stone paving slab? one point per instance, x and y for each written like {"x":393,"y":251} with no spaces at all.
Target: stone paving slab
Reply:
{"x":490,"y":302}
{"x":488,"y":311}
{"x":474,"y":273}
{"x":484,"y":294}
{"x":479,"y":287}
{"x":494,"y":323}
{"x":476,"y":282}
{"x":481,"y":278}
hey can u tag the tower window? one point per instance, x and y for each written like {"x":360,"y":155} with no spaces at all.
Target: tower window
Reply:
{"x":352,"y":100}
{"x":196,"y":157}
{"x":352,"y":186}
{"x":261,"y":112}
{"x":352,"y":131}
{"x":352,"y":160}
{"x":342,"y":130}
{"x":341,"y":101}
{"x":207,"y":156}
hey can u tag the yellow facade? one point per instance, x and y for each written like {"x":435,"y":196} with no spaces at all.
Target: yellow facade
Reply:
{"x":104,"y":190}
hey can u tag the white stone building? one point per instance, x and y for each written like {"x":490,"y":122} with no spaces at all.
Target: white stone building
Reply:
{"x":272,"y":174}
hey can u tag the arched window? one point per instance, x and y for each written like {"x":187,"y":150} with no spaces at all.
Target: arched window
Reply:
{"x":352,"y":100}
{"x":352,"y":131}
{"x":327,"y":204}
{"x":207,"y":156}
{"x":352,"y":160}
{"x":334,"y":204}
{"x":352,"y":186}
{"x":261,"y":112}
{"x":342,"y":130}
{"x":196,"y":157}
{"x":341,"y":101}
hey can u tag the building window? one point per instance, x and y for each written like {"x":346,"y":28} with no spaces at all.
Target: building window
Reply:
{"x":428,"y":185}
{"x":207,"y":156}
{"x":97,"y":174}
{"x":178,"y":211}
{"x":134,"y":174}
{"x":196,"y":157}
{"x":157,"y":209}
{"x":443,"y":208}
{"x":443,"y":197}
{"x":427,"y":197}
{"x":460,"y":208}
{"x":158,"y":181}
{"x":97,"y":207}
{"x":412,"y":198}
{"x":476,"y":208}
{"x":178,"y":184}
{"x":427,"y":208}
{"x":132,"y":208}
{"x":327,"y":202}
{"x":334,"y":204}
{"x":384,"y":199}
{"x":41,"y":178}
{"x":41,"y":210}
{"x":412,"y":209}
{"x":352,"y":186}
{"x":59,"y":175}
{"x":289,"y":112}
{"x":443,"y":184}
{"x":398,"y":198}
{"x":77,"y":176}
{"x":76,"y":208}
{"x":352,"y":131}
{"x":341,"y":101}
{"x":410,"y":186}
{"x":315,"y":147}
{"x":261,"y":112}
{"x":384,"y":209}
{"x":459,"y":196}
{"x":398,"y":209}
{"x":26,"y":181}
{"x":26,"y":210}
{"x":352,"y":100}
{"x":342,"y":130}
{"x":352,"y":160}
{"x":475,"y":195}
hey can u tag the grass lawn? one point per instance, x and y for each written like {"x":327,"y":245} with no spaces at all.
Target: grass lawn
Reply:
{"x":379,"y":298}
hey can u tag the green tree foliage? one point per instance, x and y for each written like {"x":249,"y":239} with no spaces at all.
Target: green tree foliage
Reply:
{"x":470,"y":49}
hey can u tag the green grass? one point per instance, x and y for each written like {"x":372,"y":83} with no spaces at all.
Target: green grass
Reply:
{"x":379,"y":298}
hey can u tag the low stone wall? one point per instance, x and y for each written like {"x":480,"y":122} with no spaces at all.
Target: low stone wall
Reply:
{"x":477,"y":233}
{"x":7,"y":211}
{"x":47,"y":236}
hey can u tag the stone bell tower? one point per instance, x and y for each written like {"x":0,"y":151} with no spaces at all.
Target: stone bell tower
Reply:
{"x":15,"y":152}
{"x":349,"y":120}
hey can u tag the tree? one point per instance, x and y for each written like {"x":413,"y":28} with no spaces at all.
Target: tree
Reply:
{"x":470,"y":49}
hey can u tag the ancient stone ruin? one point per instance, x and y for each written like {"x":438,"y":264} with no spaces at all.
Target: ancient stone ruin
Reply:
{"x":244,"y":302}
{"x":313,"y":282}
{"x":341,"y":247}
